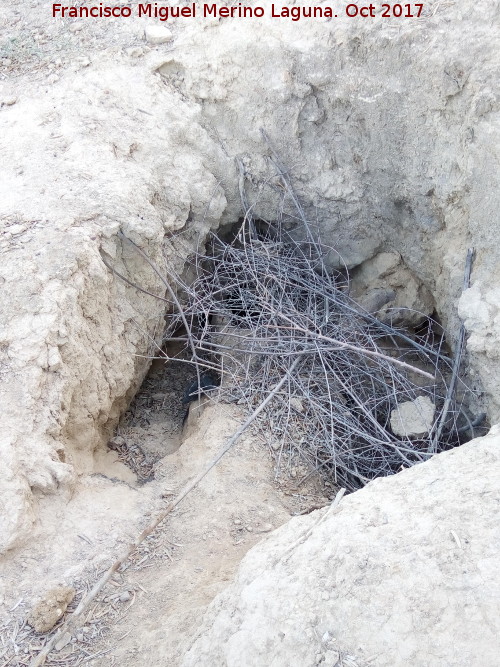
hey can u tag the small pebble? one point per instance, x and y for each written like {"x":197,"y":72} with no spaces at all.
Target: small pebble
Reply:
{"x":125,"y":597}
{"x":134,"y":52}
{"x":297,"y":404}
{"x":49,"y":609}
{"x":117,"y":441}
{"x":76,"y":27}
{"x":9,"y":101}
{"x":237,"y":522}
{"x":15,"y":229}
{"x":249,"y":528}
{"x":158,"y":34}
{"x":266,"y":528}
{"x":331,"y":658}
{"x":64,"y":641}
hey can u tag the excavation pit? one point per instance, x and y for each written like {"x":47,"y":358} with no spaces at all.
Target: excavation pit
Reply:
{"x":371,"y":386}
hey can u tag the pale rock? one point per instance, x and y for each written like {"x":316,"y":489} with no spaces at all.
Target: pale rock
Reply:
{"x":9,"y":101}
{"x":297,"y":404}
{"x":50,"y":608}
{"x":384,"y":286}
{"x":134,"y":52}
{"x":16,"y":229}
{"x":158,"y":34}
{"x":413,"y":418}
{"x":55,"y":362}
{"x":63,"y":641}
{"x":265,"y":528}
{"x":331,"y":658}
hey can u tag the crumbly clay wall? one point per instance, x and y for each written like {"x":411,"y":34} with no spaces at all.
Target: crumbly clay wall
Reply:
{"x":395,"y":575}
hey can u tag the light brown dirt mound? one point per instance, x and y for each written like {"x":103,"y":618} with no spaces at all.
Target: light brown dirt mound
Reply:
{"x":404,"y":572}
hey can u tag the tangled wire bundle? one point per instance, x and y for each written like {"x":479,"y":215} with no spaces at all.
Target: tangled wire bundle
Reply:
{"x":265,"y":305}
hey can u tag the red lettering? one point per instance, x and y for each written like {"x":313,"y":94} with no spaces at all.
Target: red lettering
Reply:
{"x":210,"y":10}
{"x":366,"y":11}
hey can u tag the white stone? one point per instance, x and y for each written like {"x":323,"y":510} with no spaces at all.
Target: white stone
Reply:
{"x":158,"y":34}
{"x":64,"y":641}
{"x":16,"y":229}
{"x":134,"y":52}
{"x":265,"y":528}
{"x":9,"y":101}
{"x":331,"y":658}
{"x":413,"y":418}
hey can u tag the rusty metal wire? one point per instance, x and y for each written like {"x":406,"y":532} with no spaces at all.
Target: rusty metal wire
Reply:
{"x":267,"y":296}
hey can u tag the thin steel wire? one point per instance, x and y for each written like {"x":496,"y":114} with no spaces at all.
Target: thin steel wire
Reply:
{"x":268,"y":297}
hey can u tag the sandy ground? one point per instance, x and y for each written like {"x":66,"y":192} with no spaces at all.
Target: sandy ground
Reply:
{"x":154,"y":605}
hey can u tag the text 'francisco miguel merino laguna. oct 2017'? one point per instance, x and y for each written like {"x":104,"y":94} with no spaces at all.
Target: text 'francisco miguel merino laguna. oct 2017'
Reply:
{"x":238,"y":11}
